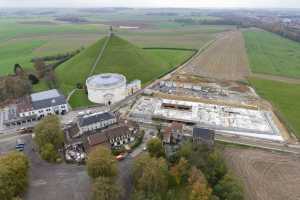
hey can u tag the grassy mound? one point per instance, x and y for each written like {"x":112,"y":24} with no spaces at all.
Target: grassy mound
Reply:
{"x":119,"y":56}
{"x":77,"y":69}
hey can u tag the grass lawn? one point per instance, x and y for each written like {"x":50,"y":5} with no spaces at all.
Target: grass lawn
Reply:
{"x":41,"y":86}
{"x":21,"y":39}
{"x":272,"y":54}
{"x":173,"y":57}
{"x":17,"y":52}
{"x":79,"y":99}
{"x":285,"y":97}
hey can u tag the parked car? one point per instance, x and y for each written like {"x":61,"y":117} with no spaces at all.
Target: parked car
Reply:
{"x":20,"y":144}
{"x":24,"y":130}
{"x":121,"y":156}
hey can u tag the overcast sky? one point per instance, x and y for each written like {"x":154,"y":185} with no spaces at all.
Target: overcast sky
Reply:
{"x":153,"y":3}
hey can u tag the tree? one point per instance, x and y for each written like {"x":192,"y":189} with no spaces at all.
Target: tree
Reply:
{"x":104,"y":188}
{"x":33,"y":79}
{"x":49,"y":137}
{"x":155,"y":147}
{"x":199,"y":188}
{"x":185,"y":150}
{"x":101,"y":163}
{"x":40,"y":68}
{"x":49,"y":153}
{"x":50,"y":78}
{"x":18,"y":70}
{"x":159,"y":131}
{"x":150,"y":176}
{"x":181,"y":171}
{"x":229,"y":188}
{"x":141,"y":195}
{"x":13,"y":175}
{"x":12,"y":87}
{"x":216,"y":168}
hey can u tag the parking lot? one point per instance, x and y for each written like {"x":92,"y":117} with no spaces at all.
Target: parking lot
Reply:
{"x":49,"y":181}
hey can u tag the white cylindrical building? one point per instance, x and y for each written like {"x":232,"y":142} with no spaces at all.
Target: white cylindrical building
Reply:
{"x":106,"y":88}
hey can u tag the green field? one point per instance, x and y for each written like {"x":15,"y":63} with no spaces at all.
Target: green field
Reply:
{"x":120,"y":56}
{"x":21,"y":39}
{"x":284,"y":97}
{"x":272,"y":54}
{"x":79,"y":99}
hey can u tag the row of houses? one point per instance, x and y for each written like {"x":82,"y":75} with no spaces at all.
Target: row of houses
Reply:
{"x":114,"y":137}
{"x":103,"y":128}
{"x":35,"y":107}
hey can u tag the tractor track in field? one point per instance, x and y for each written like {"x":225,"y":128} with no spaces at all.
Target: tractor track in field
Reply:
{"x":266,"y":175}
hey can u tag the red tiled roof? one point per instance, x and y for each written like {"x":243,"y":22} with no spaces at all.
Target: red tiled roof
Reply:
{"x":96,"y":139}
{"x":176,"y":125}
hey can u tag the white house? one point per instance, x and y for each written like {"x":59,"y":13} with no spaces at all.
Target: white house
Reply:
{"x":36,"y":106}
{"x":96,"y":121}
{"x":46,"y":103}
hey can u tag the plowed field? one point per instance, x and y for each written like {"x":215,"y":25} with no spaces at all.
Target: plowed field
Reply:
{"x":266,"y":175}
{"x":225,"y":59}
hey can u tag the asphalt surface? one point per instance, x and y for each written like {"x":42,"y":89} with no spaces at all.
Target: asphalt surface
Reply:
{"x":125,"y":178}
{"x":49,"y":181}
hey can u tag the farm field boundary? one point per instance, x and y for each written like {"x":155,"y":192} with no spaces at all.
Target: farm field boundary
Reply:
{"x":276,"y":78}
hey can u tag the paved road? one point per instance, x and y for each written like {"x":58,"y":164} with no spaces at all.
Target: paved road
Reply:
{"x":258,"y":143}
{"x":125,"y":166}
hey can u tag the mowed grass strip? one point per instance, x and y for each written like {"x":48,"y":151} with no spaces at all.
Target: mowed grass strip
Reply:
{"x":285,"y":98}
{"x":272,"y":54}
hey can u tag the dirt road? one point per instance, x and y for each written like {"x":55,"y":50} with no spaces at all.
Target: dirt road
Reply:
{"x":277,"y":78}
{"x":266,"y":175}
{"x":225,"y":59}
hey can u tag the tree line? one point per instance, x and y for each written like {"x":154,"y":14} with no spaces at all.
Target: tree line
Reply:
{"x":195,"y":172}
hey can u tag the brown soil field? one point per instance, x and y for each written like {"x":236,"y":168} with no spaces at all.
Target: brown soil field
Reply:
{"x":266,"y":175}
{"x":225,"y":59}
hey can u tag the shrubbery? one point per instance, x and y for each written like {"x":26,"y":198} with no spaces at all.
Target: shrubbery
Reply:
{"x":49,"y":153}
{"x":101,"y":163}
{"x":102,"y":168}
{"x":49,"y":138}
{"x":155,"y":147}
{"x":13,"y":175}
{"x":211,"y":163}
{"x":154,"y":179}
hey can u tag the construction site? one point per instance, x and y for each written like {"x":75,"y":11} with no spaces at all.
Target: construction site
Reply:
{"x":222,"y":119}
{"x":227,"y":107}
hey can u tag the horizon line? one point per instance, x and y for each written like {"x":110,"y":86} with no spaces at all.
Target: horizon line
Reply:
{"x":140,"y":7}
